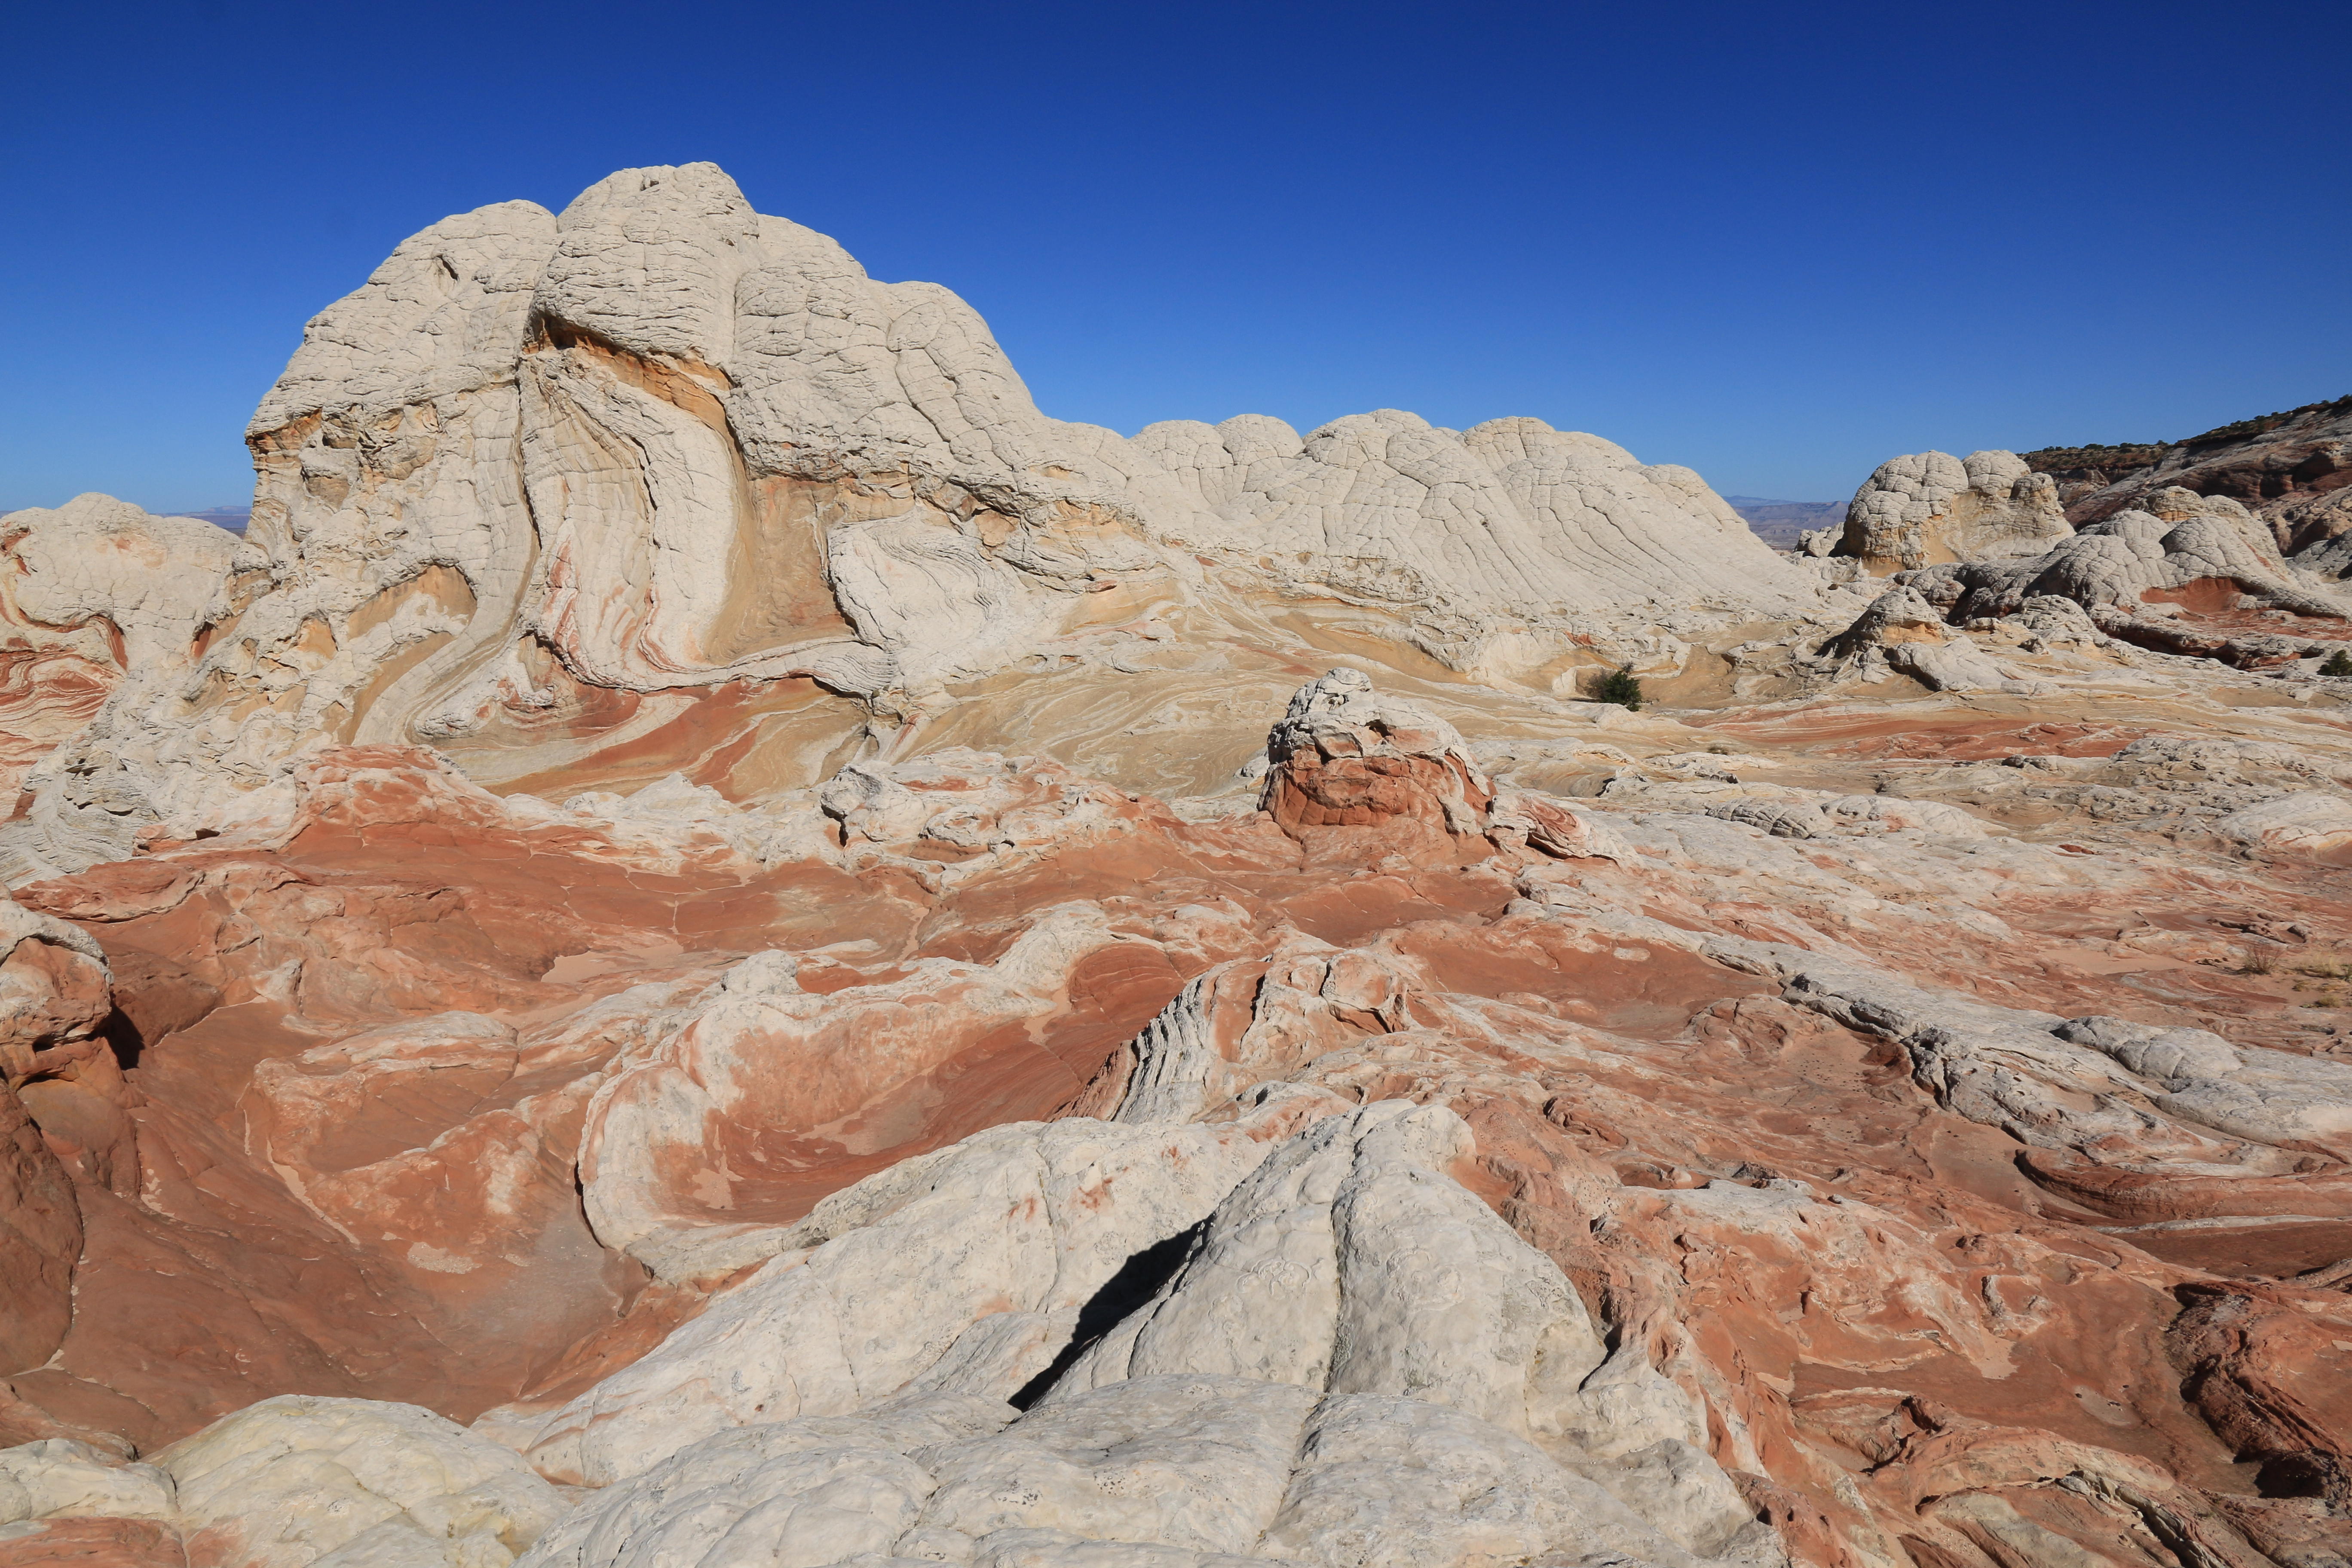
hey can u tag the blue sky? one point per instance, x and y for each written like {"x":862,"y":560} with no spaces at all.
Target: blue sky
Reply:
{"x":1776,"y":242}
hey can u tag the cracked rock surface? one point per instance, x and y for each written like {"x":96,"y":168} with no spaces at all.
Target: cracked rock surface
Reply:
{"x":720,"y":943}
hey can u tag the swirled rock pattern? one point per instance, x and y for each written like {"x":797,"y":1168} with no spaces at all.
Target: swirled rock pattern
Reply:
{"x":724,"y":944}
{"x":570,"y":475}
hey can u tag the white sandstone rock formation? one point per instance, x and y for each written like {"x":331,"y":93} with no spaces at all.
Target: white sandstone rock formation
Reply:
{"x":1063,"y":1261}
{"x":290,"y":1480}
{"x":61,"y":1478}
{"x":2309,"y":822}
{"x":1349,"y":1262}
{"x":1509,"y":515}
{"x":1179,"y":1471}
{"x":297,"y":1480}
{"x":1019,"y":1228}
{"x":142,"y":586}
{"x":1902,"y":631}
{"x":91,"y":592}
{"x":2131,"y":559}
{"x":1930,"y":507}
{"x":1346,"y":1362}
{"x":658,"y":442}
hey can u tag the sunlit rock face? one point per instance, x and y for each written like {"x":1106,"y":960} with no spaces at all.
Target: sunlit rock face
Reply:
{"x":550,"y":483}
{"x":723,"y":944}
{"x":91,"y":592}
{"x":1925,"y":507}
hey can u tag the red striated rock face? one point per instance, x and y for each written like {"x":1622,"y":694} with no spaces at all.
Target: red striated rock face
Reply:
{"x":457,"y":1099}
{"x":1354,"y":776}
{"x":2299,"y":452}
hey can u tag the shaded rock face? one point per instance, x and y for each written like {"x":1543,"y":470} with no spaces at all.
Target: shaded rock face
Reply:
{"x":951,"y":988}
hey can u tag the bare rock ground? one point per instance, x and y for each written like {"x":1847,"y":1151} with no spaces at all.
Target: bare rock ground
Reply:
{"x":719,"y":944}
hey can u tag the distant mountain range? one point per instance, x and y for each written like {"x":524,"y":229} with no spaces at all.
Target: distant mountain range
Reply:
{"x":233,"y":518}
{"x":1778,"y":523}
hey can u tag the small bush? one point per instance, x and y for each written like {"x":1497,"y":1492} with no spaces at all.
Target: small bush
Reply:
{"x":1619,"y":685}
{"x":2338,"y":663}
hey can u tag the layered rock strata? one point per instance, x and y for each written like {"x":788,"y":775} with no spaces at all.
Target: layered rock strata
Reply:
{"x":954,"y":989}
{"x":1262,"y":1120}
{"x":561,"y":478}
{"x":2289,"y":466}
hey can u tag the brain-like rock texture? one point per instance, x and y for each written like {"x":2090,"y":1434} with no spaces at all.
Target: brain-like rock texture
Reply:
{"x":721,"y":944}
{"x":542,"y":469}
{"x":1930,"y":507}
{"x":1509,"y":512}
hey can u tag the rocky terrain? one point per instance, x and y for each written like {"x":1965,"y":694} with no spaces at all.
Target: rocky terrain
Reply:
{"x":2290,"y":469}
{"x":717,"y":942}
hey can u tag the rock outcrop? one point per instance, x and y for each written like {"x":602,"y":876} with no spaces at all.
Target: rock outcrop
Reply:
{"x":1927,"y":508}
{"x":2279,"y":463}
{"x":1510,"y":513}
{"x":2289,"y":470}
{"x":547,"y":474}
{"x":2137,"y":572}
{"x":1348,"y":769}
{"x":90,"y":592}
{"x":724,"y":944}
{"x":1902,"y":631}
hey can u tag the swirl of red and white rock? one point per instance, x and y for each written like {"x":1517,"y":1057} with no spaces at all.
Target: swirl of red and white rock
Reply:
{"x":714,"y":943}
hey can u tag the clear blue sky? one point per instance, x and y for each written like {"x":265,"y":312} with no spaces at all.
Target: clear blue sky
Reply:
{"x":1777,"y":243}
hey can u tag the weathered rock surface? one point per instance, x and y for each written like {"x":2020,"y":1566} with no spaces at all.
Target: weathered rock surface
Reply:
{"x":1510,"y":513}
{"x":2290,"y":468}
{"x":2190,"y":575}
{"x":90,"y":592}
{"x":546,"y":477}
{"x":1927,"y":508}
{"x":1349,"y":769}
{"x":1902,"y":631}
{"x":952,"y":988}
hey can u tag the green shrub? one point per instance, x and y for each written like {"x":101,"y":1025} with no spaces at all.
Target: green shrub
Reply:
{"x":1619,"y":685}
{"x":2338,"y":663}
